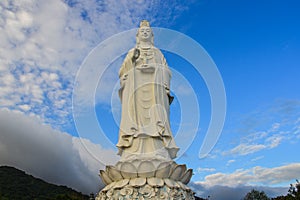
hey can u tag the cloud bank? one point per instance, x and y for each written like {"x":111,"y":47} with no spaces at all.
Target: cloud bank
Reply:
{"x":264,"y":129}
{"x":234,"y":186}
{"x":256,"y":175}
{"x":233,"y":193}
{"x":52,"y":155}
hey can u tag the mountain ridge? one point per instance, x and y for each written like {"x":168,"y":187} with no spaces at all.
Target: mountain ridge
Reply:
{"x":16,"y":184}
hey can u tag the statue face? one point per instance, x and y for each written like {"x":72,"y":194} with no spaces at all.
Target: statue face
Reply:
{"x":145,"y":33}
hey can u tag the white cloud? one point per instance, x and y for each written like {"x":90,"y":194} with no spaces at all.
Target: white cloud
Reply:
{"x":296,"y":129}
{"x":256,"y":175}
{"x":256,"y":144}
{"x":43,"y":43}
{"x":54,"y":156}
{"x":274,"y":140}
{"x":229,"y":162}
{"x":24,"y":107}
{"x":257,"y":158}
{"x":200,"y":170}
{"x":269,"y":139}
{"x":275,"y":125}
{"x":244,"y":149}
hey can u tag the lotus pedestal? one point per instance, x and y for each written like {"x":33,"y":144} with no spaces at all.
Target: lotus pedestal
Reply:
{"x":149,"y":179}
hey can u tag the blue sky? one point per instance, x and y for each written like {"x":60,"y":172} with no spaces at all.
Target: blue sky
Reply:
{"x":254,"y":44}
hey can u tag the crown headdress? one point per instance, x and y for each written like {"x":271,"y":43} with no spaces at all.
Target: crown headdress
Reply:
{"x":144,"y":23}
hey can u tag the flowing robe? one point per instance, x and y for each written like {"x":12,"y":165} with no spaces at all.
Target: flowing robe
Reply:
{"x":145,"y":96}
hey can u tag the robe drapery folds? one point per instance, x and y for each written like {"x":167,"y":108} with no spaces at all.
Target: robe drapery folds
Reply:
{"x":145,"y":96}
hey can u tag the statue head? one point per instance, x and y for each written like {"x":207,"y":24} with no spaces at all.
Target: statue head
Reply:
{"x":144,"y":33}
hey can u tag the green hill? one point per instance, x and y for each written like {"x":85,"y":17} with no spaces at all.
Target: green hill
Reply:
{"x":17,"y":185}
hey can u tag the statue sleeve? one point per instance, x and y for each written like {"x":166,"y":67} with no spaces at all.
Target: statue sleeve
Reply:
{"x":166,"y":73}
{"x":127,"y":64}
{"x":123,"y":72}
{"x":166,"y":78}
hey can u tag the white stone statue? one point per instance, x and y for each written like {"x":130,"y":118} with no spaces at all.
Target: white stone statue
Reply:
{"x":145,"y":95}
{"x":146,"y":169}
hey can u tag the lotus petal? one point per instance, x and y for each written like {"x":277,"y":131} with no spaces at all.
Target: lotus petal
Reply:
{"x":113,"y":173}
{"x":184,"y":187}
{"x":121,"y":183}
{"x":136,"y":162}
{"x":118,"y":165}
{"x":108,"y":187}
{"x":184,"y":168}
{"x":163,"y":170}
{"x":157,"y":162}
{"x":178,"y":172}
{"x":136,"y":182}
{"x":156,"y":182}
{"x":173,"y":165}
{"x":187,"y":176}
{"x":128,"y":170}
{"x":171,"y":183}
{"x":105,"y":178}
{"x":146,"y":169}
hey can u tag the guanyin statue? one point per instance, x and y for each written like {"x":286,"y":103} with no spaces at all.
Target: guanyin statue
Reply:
{"x":145,"y":95}
{"x":146,"y":145}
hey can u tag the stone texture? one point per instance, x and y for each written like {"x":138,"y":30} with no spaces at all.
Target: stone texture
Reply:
{"x":146,"y":191}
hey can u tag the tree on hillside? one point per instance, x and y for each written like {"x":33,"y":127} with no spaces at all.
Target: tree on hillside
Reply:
{"x":280,"y":198}
{"x":294,"y":191}
{"x":256,"y":195}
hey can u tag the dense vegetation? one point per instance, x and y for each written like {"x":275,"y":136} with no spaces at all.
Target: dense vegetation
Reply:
{"x":293,"y":194}
{"x":256,"y":195}
{"x":17,"y":185}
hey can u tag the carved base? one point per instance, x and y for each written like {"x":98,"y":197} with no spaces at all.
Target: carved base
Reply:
{"x":146,"y":179}
{"x":170,"y":190}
